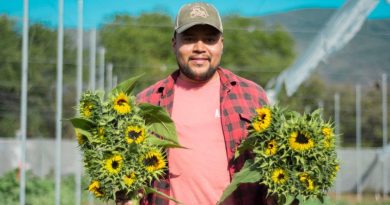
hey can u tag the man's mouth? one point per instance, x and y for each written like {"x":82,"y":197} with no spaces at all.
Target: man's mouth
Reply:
{"x":199,"y":60}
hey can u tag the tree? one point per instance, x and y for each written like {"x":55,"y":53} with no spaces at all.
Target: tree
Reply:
{"x":254,"y":52}
{"x":139,"y":45}
{"x":41,"y":79}
{"x":10,"y":54}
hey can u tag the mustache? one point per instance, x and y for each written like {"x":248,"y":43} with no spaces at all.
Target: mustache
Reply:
{"x":199,"y":57}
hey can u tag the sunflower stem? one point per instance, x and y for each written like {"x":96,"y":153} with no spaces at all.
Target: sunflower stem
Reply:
{"x":135,"y":201}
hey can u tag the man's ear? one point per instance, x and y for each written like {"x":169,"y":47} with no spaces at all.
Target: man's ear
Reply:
{"x":173,"y":44}
{"x":222,"y":43}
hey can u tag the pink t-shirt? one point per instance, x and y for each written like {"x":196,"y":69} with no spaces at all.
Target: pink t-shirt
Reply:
{"x":199,"y":174}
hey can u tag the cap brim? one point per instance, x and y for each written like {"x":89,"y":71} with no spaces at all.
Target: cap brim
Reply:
{"x":187,"y":26}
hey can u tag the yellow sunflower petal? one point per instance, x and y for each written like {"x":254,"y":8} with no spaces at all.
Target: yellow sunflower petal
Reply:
{"x":122,"y":104}
{"x":135,"y":134}
{"x":114,"y":164}
{"x":279,"y":176}
{"x":94,"y":188}
{"x":263,"y":119}
{"x":129,"y":179}
{"x":153,"y":161}
{"x":300,"y":141}
{"x":271,"y":148}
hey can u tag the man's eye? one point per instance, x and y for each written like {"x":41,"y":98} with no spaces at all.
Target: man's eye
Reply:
{"x":210,"y":39}
{"x":188,"y":38}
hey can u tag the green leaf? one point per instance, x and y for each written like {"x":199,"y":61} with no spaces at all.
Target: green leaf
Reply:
{"x":289,"y":200}
{"x":321,"y":198}
{"x":248,"y":174}
{"x":82,"y":124}
{"x":126,"y":86}
{"x":87,"y":134}
{"x":247,"y":144}
{"x":163,"y":143}
{"x":152,"y":190}
{"x":159,"y":121}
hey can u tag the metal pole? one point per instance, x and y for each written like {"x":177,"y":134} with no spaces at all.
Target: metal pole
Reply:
{"x":79,"y":85}
{"x":384,"y":132}
{"x":59,"y":103}
{"x":115,"y":81}
{"x":109,"y":77}
{"x":337,"y":132}
{"x":102,"y":52}
{"x":92,"y":60}
{"x":358,"y":142}
{"x":79,"y":77}
{"x":23,"y":113}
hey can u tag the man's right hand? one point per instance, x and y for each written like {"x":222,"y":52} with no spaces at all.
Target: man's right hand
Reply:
{"x":124,"y":202}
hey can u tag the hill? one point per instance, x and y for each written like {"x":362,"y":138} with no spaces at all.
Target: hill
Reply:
{"x":362,"y":60}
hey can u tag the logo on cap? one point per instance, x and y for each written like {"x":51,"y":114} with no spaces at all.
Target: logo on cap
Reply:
{"x":198,"y":11}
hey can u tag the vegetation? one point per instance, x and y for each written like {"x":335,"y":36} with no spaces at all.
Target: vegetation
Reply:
{"x":38,"y":190}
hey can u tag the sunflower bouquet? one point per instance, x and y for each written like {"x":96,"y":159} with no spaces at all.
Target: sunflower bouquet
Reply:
{"x":122,"y":143}
{"x":294,"y":155}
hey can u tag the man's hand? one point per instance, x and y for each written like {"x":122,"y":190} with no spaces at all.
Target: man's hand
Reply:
{"x":124,"y":202}
{"x":122,"y":199}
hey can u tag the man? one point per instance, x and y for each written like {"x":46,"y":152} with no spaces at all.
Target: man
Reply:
{"x":211,"y":108}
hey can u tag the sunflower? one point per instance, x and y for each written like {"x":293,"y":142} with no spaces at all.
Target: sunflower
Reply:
{"x":81,"y":139}
{"x":263,"y":119}
{"x":129,"y":179}
{"x":94,"y":187}
{"x":121,"y":104}
{"x":328,"y":133}
{"x":300,"y":141}
{"x":334,"y":172}
{"x":279,"y":176}
{"x":271,"y":148}
{"x":86,"y":109}
{"x":114,"y":164}
{"x":135,"y":134}
{"x":328,"y":142}
{"x":337,"y":167}
{"x":153,"y":161}
{"x":100,"y":133}
{"x":307,"y":181}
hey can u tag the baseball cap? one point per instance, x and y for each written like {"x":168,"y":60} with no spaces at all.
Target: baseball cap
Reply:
{"x":198,"y":13}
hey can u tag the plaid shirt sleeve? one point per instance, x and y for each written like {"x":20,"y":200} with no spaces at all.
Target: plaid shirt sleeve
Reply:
{"x":239,"y":100}
{"x":160,"y":94}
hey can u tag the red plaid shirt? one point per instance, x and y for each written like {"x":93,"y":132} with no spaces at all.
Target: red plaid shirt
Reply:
{"x":239,"y":99}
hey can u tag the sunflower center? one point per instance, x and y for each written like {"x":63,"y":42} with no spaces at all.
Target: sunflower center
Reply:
{"x":262,"y":117}
{"x":133,"y":134}
{"x":270,"y":145}
{"x":115,"y":164}
{"x":150,"y":161}
{"x":302,"y":139}
{"x":280,"y":176}
{"x":122,"y":101}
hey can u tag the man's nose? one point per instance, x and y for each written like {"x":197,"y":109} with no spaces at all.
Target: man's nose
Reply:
{"x":199,"y":46}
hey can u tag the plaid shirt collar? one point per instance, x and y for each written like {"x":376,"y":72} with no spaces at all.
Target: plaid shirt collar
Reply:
{"x":228,"y":80}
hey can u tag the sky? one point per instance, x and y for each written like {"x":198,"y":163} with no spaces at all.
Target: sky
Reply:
{"x":98,"y":11}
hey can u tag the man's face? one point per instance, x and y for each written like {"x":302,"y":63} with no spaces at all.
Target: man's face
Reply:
{"x":198,"y":51}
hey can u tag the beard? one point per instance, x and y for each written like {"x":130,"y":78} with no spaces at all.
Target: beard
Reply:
{"x":201,"y":77}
